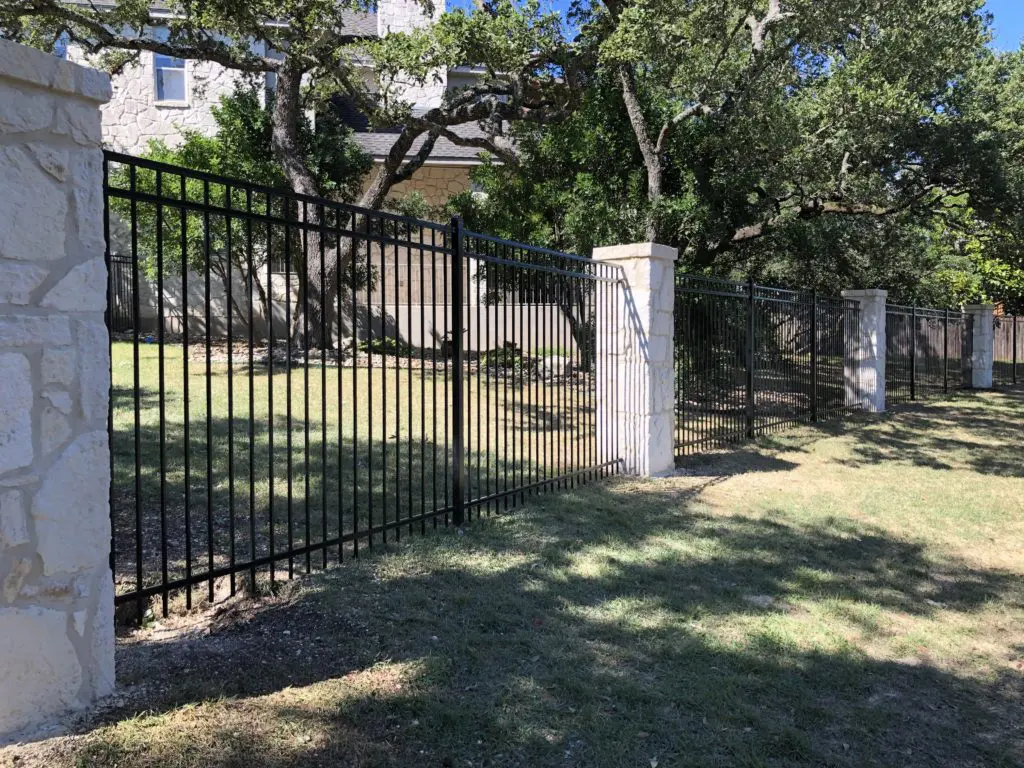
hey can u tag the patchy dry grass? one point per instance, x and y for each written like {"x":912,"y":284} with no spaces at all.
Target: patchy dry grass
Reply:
{"x":843,"y":596}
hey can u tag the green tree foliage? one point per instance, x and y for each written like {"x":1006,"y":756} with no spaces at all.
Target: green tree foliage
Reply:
{"x":828,"y":145}
{"x":529,"y":71}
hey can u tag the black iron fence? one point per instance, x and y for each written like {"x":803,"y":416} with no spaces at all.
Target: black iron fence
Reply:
{"x":752,"y":359}
{"x":119,"y":291}
{"x":1007,"y":349}
{"x":927,"y":352}
{"x":267,"y":422}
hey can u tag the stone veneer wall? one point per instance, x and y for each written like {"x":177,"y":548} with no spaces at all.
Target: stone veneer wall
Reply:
{"x":982,"y":344}
{"x":406,"y":16}
{"x":865,"y":374}
{"x":133,"y":116}
{"x":56,"y":590}
{"x":435,"y":182}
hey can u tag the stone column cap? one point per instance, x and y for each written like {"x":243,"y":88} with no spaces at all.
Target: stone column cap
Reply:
{"x":636,"y":251}
{"x":979,"y":307}
{"x":866,"y":293}
{"x":44,"y":70}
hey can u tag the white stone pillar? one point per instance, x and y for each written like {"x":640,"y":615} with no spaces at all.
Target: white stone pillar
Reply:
{"x":868,"y":366}
{"x":56,"y":590}
{"x":636,"y":395}
{"x":982,"y":341}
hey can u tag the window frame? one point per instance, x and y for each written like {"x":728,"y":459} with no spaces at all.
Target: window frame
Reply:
{"x":157,"y":67}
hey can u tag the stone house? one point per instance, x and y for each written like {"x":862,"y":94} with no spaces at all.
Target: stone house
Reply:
{"x":161,"y":95}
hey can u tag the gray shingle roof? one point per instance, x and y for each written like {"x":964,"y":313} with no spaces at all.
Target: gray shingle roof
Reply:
{"x":378,"y":144}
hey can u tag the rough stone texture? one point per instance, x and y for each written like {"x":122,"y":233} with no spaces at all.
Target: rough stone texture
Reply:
{"x":635,"y":374}
{"x":20,"y":171}
{"x":58,"y":366}
{"x":868,"y":370}
{"x":93,"y":370}
{"x":18,"y":281}
{"x":983,"y":340}
{"x":54,"y":430}
{"x":40,"y":671}
{"x":436,"y":183}
{"x":72,"y":498}
{"x":16,"y":396}
{"x":406,"y":16}
{"x":81,"y":289}
{"x":29,"y":330}
{"x":56,"y":593}
{"x":133,"y":115}
{"x":13,"y":523}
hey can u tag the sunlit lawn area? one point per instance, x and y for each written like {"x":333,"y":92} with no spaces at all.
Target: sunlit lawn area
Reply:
{"x":318,"y":449}
{"x":842,"y":596}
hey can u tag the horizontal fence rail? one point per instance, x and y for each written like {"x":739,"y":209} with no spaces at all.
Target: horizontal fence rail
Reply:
{"x":927,"y":352}
{"x":400,"y":375}
{"x":1007,"y":349}
{"x":752,"y":359}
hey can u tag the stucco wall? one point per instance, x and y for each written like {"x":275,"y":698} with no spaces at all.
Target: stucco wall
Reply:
{"x":133,"y":116}
{"x":56,"y":590}
{"x":435,"y":182}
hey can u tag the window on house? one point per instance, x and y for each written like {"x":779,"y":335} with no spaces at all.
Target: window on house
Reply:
{"x":170,"y":78}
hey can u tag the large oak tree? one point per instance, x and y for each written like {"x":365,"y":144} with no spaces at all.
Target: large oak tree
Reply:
{"x":529,"y":73}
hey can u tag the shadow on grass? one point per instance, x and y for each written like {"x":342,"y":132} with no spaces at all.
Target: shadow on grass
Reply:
{"x":979,"y":431}
{"x":577,"y":633}
{"x":226,"y":491}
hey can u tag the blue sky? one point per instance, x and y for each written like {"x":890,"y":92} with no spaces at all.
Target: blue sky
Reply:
{"x":1009,"y":19}
{"x":1009,"y":22}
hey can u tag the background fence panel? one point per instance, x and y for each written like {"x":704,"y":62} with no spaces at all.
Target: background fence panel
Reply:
{"x":1008,"y":349}
{"x":752,"y":359}
{"x":928,"y":352}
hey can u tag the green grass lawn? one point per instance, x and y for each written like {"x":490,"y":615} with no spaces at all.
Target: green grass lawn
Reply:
{"x":851,"y":595}
{"x":321,"y":450}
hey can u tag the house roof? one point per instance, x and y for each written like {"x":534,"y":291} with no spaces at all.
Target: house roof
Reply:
{"x":378,"y":142}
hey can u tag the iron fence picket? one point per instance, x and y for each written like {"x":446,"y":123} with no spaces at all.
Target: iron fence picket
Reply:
{"x":224,"y":299}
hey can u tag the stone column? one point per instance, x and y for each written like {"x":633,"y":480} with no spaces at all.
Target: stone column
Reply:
{"x":867,"y":370}
{"x":982,"y":341}
{"x":636,"y":396}
{"x":56,"y":590}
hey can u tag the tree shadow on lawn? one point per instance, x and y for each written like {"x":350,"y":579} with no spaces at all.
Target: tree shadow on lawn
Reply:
{"x":976,"y":431}
{"x":605,"y":626}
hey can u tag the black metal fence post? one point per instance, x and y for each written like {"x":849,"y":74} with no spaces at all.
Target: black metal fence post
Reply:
{"x":750,"y":357}
{"x":913,"y":353}
{"x":945,"y":352}
{"x":814,"y":356}
{"x":458,"y":447}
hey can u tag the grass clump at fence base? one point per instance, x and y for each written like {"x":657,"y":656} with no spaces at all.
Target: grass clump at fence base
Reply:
{"x":843,"y":596}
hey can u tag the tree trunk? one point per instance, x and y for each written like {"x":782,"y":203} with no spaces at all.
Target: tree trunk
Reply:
{"x":648,"y":150}
{"x":313,"y":318}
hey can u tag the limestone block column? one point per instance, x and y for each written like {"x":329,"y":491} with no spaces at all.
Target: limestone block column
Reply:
{"x":56,"y":590}
{"x":636,"y":394}
{"x":865,"y":369}
{"x":982,"y":341}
